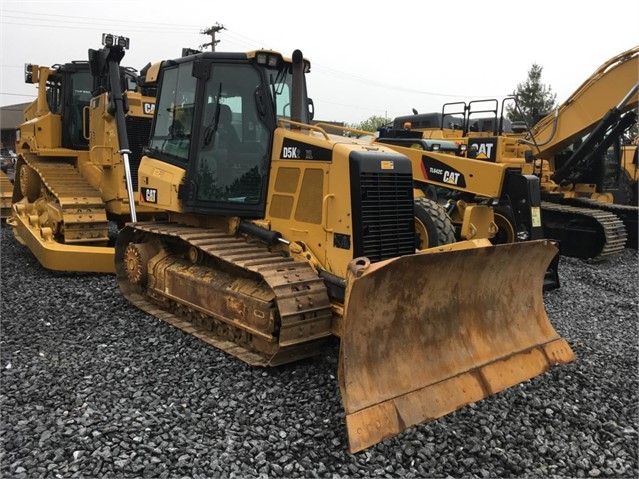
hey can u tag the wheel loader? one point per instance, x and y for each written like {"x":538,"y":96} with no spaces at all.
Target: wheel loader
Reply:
{"x":570,"y":150}
{"x":481,"y":199}
{"x":79,"y":140}
{"x":281,"y":238}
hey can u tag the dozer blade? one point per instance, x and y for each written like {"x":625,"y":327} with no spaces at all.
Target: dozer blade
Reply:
{"x":426,"y":334}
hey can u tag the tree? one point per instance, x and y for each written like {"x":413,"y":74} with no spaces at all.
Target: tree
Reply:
{"x":533,"y":97}
{"x":372,"y":124}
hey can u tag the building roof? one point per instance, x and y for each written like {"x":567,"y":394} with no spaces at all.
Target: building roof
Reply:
{"x":12,"y":115}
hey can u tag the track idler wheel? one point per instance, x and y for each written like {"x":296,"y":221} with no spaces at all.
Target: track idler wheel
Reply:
{"x":136,"y":260}
{"x":29,"y":182}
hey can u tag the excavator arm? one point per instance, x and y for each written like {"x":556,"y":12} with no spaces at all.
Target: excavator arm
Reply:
{"x":609,"y":130}
{"x":588,"y":105}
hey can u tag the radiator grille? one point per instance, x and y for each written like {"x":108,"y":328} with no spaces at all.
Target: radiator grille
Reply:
{"x":138,"y":130}
{"x":385,"y":215}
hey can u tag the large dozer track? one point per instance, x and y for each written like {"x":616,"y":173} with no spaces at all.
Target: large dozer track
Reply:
{"x":408,"y":354}
{"x":583,"y":232}
{"x":60,"y":216}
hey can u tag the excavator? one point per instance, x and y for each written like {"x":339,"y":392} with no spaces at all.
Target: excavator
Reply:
{"x":79,"y":140}
{"x":280,"y":238}
{"x":567,"y":149}
{"x":570,"y":145}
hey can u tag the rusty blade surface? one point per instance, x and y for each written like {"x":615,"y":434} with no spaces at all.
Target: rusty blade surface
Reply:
{"x":427,"y":334}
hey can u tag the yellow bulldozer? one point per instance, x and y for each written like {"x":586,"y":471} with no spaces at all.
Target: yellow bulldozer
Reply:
{"x":573,"y":151}
{"x":280,"y":237}
{"x":80,"y":139}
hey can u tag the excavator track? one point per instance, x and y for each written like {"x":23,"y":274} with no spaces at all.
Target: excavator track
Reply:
{"x":583,"y":232}
{"x":259,"y":306}
{"x":629,"y":214}
{"x":84,"y":220}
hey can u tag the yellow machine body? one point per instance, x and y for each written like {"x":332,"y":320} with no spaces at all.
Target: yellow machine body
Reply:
{"x":563,"y":150}
{"x":273,"y":248}
{"x":70,"y":171}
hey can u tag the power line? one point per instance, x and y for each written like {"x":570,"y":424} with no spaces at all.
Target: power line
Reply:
{"x":92,"y":20}
{"x":233,"y":38}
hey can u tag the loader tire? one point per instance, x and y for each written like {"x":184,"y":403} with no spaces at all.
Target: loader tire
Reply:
{"x":433,"y":226}
{"x":507,"y":231}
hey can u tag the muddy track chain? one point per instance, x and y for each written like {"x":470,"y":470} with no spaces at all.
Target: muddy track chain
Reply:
{"x":300,"y":296}
{"x":614,"y":229}
{"x":83,"y":211}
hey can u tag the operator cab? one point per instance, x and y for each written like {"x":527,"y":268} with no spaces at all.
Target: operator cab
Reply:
{"x":215,"y":118}
{"x":69,"y":89}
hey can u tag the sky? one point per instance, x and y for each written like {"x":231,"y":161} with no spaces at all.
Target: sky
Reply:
{"x":377,"y":58}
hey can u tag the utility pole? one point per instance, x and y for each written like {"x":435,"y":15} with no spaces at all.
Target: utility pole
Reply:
{"x":212,"y":31}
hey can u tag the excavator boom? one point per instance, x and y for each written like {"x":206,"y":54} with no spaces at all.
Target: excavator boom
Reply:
{"x":613,"y":84}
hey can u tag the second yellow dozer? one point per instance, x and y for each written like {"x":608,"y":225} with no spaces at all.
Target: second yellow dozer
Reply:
{"x":280,"y":237}
{"x":79,"y":140}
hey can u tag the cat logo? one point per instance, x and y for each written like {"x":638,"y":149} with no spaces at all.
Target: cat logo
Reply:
{"x":148,"y":108}
{"x":150,"y":195}
{"x":484,"y":149}
{"x":451,"y":177}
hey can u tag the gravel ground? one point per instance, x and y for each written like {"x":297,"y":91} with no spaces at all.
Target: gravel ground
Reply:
{"x":92,"y":387}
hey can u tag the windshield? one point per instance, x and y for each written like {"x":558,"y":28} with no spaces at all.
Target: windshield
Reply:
{"x":233,"y":152}
{"x":174,"y":115}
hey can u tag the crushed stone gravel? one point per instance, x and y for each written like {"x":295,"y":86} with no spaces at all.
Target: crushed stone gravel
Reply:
{"x":92,"y":387}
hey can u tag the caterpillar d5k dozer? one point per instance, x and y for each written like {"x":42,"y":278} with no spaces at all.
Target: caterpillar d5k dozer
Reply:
{"x":80,"y":139}
{"x":280,"y":237}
